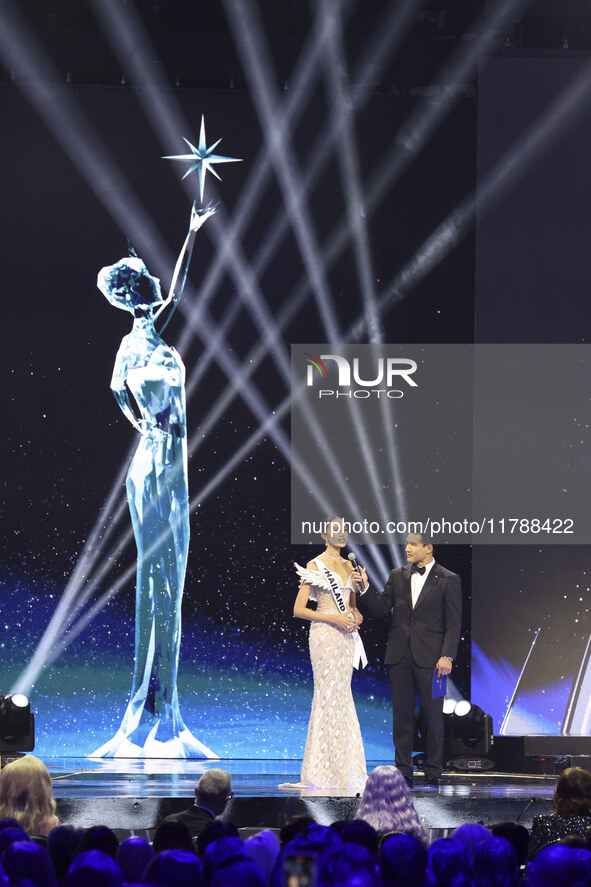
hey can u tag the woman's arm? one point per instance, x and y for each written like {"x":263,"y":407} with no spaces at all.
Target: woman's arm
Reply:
{"x":181,"y":269}
{"x":344,"y":621}
{"x":359,"y":577}
{"x":356,"y":614}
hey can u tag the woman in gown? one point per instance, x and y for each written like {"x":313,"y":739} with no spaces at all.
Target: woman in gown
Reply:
{"x":333,"y":756}
{"x":157,"y":491}
{"x":571,"y":811}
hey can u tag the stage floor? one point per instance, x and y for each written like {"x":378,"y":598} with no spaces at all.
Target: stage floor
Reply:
{"x":133,"y":796}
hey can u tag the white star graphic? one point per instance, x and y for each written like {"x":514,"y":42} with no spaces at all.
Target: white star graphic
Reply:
{"x":201,"y":158}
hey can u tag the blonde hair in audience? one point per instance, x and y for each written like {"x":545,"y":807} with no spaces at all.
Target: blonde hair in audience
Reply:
{"x":26,"y":794}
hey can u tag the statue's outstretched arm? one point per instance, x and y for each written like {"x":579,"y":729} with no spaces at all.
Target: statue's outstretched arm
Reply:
{"x":181,"y":269}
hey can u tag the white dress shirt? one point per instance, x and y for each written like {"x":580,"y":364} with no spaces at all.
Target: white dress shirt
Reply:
{"x":417,"y":581}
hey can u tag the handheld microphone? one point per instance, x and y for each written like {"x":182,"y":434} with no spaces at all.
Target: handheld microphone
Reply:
{"x":353,"y":559}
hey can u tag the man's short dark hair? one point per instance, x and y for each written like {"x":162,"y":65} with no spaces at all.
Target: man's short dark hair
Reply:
{"x":422,"y":538}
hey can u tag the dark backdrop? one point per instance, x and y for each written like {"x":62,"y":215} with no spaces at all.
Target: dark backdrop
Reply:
{"x":532,"y":282}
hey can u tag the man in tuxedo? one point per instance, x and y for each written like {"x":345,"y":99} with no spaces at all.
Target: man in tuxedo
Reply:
{"x":425,"y":602}
{"x":212,"y":793}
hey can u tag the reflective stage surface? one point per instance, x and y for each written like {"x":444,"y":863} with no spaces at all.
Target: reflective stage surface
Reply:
{"x":134,"y":795}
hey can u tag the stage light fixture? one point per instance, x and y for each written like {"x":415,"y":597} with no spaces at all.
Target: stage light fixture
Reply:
{"x":468,"y":737}
{"x":17,"y":723}
{"x":449,"y":706}
{"x":462,"y":708}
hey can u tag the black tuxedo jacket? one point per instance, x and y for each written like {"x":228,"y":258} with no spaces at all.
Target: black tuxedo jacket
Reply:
{"x":195,"y":818}
{"x":432,"y":628}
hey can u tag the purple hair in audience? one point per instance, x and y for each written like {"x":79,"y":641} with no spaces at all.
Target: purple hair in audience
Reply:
{"x":447,"y":864}
{"x":174,"y":868}
{"x":25,"y":860}
{"x":495,"y":864}
{"x":387,"y":805}
{"x":220,"y":853}
{"x":584,"y":859}
{"x":9,"y":836}
{"x":93,"y":868}
{"x":358,"y":831}
{"x":295,"y":826}
{"x":244,"y":873}
{"x":403,"y":862}
{"x":62,"y":843}
{"x":361,"y":879}
{"x":99,"y":837}
{"x":171,"y":835}
{"x":472,"y":835}
{"x":213,"y":831}
{"x":554,"y":866}
{"x":339,"y":824}
{"x":336,"y":866}
{"x":263,"y":849}
{"x":133,"y":856}
{"x":316,"y":840}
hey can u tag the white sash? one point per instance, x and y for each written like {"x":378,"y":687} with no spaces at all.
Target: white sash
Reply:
{"x":359,"y":655}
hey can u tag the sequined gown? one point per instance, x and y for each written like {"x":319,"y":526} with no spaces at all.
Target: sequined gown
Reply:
{"x":333,"y":756}
{"x":551,"y":828}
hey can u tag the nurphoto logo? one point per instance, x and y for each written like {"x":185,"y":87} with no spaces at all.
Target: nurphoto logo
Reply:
{"x":382,"y":376}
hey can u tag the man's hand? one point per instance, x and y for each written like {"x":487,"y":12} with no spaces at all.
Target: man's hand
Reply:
{"x":443,"y":666}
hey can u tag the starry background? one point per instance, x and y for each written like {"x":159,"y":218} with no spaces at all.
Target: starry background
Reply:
{"x":245,"y":680}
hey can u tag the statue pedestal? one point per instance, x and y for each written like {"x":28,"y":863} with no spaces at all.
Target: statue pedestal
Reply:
{"x":182,"y":746}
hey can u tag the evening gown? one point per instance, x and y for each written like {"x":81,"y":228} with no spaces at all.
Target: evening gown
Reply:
{"x":333,"y":756}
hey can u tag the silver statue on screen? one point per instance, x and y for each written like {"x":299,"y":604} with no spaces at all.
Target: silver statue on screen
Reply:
{"x":152,"y":373}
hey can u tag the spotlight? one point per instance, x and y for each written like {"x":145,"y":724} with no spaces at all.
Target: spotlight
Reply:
{"x":468,"y":737}
{"x":462,"y":708}
{"x":17,"y":723}
{"x":449,"y":705}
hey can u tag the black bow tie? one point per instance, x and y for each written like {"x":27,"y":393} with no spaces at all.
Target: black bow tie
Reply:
{"x":416,"y":569}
